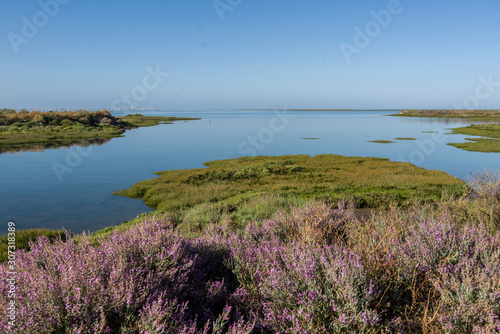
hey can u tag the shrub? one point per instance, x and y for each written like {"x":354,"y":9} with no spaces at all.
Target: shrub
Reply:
{"x":308,"y":270}
{"x":7,"y":111}
{"x":23,"y":238}
{"x":119,"y":284}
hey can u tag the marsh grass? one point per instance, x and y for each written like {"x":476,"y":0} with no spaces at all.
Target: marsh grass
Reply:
{"x":405,"y":138}
{"x":251,"y":188}
{"x":382,"y":141}
{"x":489,"y":143}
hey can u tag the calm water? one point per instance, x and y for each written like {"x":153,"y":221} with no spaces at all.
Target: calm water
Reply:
{"x":72,"y":188}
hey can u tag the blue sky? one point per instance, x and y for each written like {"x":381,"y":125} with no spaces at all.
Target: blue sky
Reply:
{"x":249,"y":54}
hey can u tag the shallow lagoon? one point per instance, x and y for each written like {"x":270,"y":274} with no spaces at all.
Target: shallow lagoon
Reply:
{"x":77,"y":195}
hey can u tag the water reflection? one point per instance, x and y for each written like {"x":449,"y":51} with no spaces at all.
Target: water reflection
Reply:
{"x":38,"y":147}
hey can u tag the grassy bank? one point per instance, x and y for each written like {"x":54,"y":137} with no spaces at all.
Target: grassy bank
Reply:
{"x":444,"y":113}
{"x":490,"y":142}
{"x":36,"y":130}
{"x":245,"y":189}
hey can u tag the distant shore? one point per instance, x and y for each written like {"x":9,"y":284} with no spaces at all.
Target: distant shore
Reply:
{"x":24,"y":131}
{"x":451,"y":113}
{"x":489,"y":141}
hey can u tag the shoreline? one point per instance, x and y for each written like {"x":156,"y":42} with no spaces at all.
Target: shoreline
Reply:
{"x":38,"y":131}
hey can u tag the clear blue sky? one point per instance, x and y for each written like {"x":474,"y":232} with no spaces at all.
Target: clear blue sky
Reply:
{"x":263,"y":54}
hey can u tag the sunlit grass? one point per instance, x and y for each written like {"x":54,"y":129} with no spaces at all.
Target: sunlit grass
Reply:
{"x":252,"y":188}
{"x":490,"y":142}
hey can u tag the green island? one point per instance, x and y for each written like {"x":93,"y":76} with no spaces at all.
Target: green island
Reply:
{"x":35,"y":130}
{"x":250,"y":188}
{"x":489,"y":143}
{"x":405,"y":138}
{"x":243,"y":190}
{"x":490,"y":133}
{"x":451,"y":113}
{"x":382,"y":141}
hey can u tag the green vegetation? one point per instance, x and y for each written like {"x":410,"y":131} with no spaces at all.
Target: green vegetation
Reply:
{"x":405,"y":138}
{"x":250,"y":188}
{"x":7,"y":111}
{"x":490,"y":132}
{"x":23,"y":237}
{"x":491,"y":142}
{"x":473,"y":114}
{"x":431,"y":268}
{"x":40,"y":130}
{"x":382,"y":141}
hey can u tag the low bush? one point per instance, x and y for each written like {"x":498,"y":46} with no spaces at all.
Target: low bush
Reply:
{"x":309,"y":270}
{"x":313,"y":269}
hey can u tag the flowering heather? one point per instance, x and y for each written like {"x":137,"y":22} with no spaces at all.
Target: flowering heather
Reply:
{"x":147,"y":280}
{"x":311,"y":270}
